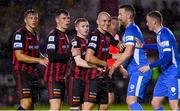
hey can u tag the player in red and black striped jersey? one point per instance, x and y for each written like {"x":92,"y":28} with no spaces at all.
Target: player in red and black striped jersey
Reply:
{"x":25,"y":58}
{"x":78,"y":66}
{"x":97,"y":53}
{"x":58,"y":50}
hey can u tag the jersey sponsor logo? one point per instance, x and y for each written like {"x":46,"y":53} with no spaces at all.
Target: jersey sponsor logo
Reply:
{"x":51,"y":46}
{"x":94,"y":38}
{"x":74,"y":43}
{"x":93,"y":45}
{"x":129,"y":38}
{"x":18,"y":37}
{"x":34,"y":47}
{"x":65,"y":46}
{"x":105,"y":49}
{"x":17,"y":45}
{"x":165,"y":43}
{"x":51,"y":39}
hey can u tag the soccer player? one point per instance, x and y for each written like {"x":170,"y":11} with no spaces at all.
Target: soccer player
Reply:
{"x":25,"y":58}
{"x":78,"y":65}
{"x":58,"y":51}
{"x":96,"y":92}
{"x":135,"y":57}
{"x":113,"y":29}
{"x":168,"y":82}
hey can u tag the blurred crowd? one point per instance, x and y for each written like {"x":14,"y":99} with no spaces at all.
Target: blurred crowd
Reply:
{"x":11,"y":18}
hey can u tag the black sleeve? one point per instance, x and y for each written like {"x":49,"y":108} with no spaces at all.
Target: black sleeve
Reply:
{"x":75,"y":43}
{"x":93,"y":42}
{"x":18,"y":41}
{"x":52,"y":47}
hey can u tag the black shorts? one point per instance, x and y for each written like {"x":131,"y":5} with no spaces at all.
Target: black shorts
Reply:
{"x":56,"y":90}
{"x":75,"y":91}
{"x":110,"y":85}
{"x":27,"y":85}
{"x":96,"y":91}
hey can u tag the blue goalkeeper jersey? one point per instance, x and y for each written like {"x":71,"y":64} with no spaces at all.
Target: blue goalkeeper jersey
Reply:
{"x":139,"y":57}
{"x":167,"y":42}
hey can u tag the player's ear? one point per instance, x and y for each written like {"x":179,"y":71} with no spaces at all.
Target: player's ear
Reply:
{"x":97,"y":21}
{"x":25,"y":20}
{"x":76,"y":28}
{"x":56,"y":19}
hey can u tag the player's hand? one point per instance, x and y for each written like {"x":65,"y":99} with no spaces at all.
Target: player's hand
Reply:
{"x":122,"y":47}
{"x":144,"y":69}
{"x":123,"y":71}
{"x":111,"y":71}
{"x":138,"y":43}
{"x":43,"y":61}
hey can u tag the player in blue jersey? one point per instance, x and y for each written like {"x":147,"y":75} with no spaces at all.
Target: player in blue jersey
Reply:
{"x":136,"y":57}
{"x":168,"y":84}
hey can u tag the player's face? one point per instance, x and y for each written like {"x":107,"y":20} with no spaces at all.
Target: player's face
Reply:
{"x":150,"y":23}
{"x":122,"y":16}
{"x":83,"y":28}
{"x":31,"y":20}
{"x":63,"y":21}
{"x":114,"y":25}
{"x":104,"y":22}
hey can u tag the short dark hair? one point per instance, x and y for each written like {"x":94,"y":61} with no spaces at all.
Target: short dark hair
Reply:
{"x":128,"y":8}
{"x":30,"y":11}
{"x":80,"y":20}
{"x":61,"y":11}
{"x":157,"y":15}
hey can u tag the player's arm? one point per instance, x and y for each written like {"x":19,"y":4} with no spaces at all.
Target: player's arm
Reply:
{"x":18,"y":46}
{"x":90,"y":54}
{"x":166,"y":58}
{"x":52,"y":47}
{"x":76,"y":53}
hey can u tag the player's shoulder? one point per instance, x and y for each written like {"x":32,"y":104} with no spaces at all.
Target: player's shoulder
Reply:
{"x":21,"y":30}
{"x":165,"y":32}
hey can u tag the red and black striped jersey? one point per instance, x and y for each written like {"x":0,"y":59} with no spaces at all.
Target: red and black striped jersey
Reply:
{"x":74,"y":70}
{"x":58,"y":50}
{"x":100,"y":43}
{"x":29,"y":43}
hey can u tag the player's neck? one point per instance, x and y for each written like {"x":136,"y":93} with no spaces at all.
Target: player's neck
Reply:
{"x":61,"y":29}
{"x":112,"y":32}
{"x":30,"y":29}
{"x":158,"y":28}
{"x":128,"y":22}
{"x":81,"y":36}
{"x":102,"y":31}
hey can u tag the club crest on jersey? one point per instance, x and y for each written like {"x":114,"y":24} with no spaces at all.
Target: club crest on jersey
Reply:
{"x":18,"y":37}
{"x":50,"y":46}
{"x":51,"y":39}
{"x":94,"y":38}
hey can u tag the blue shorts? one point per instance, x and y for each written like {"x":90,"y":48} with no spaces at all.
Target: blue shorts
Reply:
{"x":167,"y":87}
{"x":138,"y":83}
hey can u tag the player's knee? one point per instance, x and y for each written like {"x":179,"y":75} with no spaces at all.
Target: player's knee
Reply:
{"x":87,"y":106}
{"x":130,"y":101}
{"x":55,"y":105}
{"x":155,"y":104}
{"x":103,"y":107}
{"x":111,"y":100}
{"x":26,"y":103}
{"x":174,"y":105}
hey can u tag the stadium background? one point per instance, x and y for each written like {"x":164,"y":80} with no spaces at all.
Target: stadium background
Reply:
{"x":11,"y":18}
